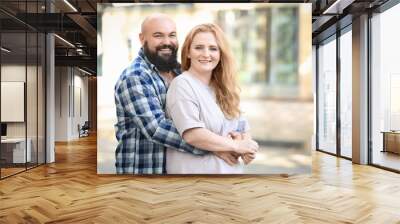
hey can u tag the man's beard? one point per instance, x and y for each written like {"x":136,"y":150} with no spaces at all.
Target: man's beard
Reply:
{"x":163,"y":64}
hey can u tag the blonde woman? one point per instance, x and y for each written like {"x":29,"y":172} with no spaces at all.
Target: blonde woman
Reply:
{"x":203,"y":103}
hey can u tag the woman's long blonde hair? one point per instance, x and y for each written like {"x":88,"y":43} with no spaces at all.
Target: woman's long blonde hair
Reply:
{"x":223,"y":76}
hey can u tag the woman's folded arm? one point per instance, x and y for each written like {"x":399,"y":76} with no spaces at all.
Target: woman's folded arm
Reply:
{"x":205,"y":139}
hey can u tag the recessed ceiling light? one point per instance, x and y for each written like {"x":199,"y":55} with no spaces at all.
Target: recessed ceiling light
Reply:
{"x":70,"y":5}
{"x":338,"y":6}
{"x":64,"y":40}
{"x":5,"y":50}
{"x":86,"y":72}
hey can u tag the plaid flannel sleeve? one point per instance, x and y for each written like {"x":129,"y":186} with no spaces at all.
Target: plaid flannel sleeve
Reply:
{"x":141,"y":103}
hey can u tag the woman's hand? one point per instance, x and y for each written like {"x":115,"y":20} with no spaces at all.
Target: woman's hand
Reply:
{"x":248,"y":157}
{"x":246,"y":146}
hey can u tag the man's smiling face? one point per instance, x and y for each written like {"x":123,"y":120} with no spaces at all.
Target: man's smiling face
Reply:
{"x":160,"y":43}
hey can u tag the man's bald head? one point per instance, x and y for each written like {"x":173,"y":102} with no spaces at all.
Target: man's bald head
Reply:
{"x":156,"y":20}
{"x":159,"y":41}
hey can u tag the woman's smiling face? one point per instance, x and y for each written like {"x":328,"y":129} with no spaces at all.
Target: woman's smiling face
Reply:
{"x":204,"y":52}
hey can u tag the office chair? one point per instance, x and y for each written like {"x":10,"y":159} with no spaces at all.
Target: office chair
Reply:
{"x":84,"y":130}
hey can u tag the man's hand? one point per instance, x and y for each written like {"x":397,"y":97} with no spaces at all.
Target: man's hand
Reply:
{"x":235,"y":135}
{"x":239,"y":136}
{"x":231,"y":158}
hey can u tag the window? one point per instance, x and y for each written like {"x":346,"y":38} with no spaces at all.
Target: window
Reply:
{"x":346,"y":93}
{"x":327,"y":96}
{"x":385,"y":89}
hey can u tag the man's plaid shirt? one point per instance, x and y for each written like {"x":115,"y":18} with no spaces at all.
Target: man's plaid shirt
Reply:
{"x":143,"y":132}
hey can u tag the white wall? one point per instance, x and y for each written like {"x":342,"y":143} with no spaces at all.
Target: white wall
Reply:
{"x":61,"y":103}
{"x":81,"y":83}
{"x":71,"y":87}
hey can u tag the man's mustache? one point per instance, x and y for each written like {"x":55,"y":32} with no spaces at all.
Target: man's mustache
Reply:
{"x":166,"y":46}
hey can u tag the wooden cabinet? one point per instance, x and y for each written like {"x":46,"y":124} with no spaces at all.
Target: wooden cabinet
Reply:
{"x":391,"y":142}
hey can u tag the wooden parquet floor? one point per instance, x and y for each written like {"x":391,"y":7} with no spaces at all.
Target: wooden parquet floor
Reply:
{"x":70,"y":191}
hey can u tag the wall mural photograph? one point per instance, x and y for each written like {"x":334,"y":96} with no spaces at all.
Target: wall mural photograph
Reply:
{"x":204,"y":89}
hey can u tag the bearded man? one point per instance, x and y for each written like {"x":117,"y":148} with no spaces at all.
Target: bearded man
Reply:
{"x":143,"y":132}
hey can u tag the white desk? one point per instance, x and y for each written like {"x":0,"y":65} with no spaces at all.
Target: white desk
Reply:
{"x":18,"y":145}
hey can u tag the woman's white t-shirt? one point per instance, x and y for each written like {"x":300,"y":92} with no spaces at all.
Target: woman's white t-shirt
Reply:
{"x":191,"y":104}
